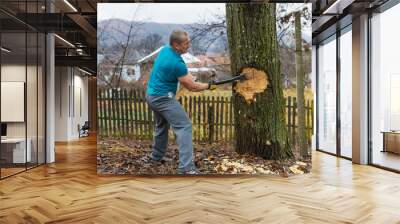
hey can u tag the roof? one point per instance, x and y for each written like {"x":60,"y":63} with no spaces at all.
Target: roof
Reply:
{"x":187,"y":57}
{"x":145,"y":58}
{"x":201,"y":69}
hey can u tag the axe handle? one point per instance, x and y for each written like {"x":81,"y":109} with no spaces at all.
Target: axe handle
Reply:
{"x":239,"y":77}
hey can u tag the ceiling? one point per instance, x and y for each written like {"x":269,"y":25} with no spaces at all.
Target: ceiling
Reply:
{"x":74,"y":22}
{"x":332,"y":15}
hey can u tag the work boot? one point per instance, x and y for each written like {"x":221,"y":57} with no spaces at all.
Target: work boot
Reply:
{"x":193,"y":171}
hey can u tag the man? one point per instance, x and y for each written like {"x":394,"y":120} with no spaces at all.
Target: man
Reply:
{"x":169,"y":69}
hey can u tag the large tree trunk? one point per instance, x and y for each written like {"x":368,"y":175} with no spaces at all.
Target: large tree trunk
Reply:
{"x":260,"y":123}
{"x":301,"y":131}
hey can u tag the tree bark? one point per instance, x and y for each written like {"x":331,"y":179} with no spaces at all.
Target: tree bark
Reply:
{"x":260,"y":127}
{"x":301,"y":131}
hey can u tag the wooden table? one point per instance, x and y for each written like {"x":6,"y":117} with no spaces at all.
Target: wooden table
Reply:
{"x":391,"y":141}
{"x":13,"y":150}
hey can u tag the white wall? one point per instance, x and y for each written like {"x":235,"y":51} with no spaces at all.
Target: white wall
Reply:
{"x":71,"y":94}
{"x":61,"y":103}
{"x":12,"y":73}
{"x":79,"y":112}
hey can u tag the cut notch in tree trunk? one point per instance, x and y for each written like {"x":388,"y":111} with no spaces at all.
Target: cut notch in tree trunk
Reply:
{"x":256,"y":82}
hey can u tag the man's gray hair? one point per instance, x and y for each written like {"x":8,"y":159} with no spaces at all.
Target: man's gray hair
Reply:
{"x":177,"y":36}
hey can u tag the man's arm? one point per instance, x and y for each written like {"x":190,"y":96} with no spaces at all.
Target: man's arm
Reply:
{"x":188,"y":82}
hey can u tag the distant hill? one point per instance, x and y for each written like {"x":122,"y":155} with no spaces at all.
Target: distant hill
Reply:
{"x":112,"y":30}
{"x":115,"y":30}
{"x":112,"y":27}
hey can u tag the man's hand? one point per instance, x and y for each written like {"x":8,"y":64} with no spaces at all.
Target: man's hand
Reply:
{"x":211,"y":85}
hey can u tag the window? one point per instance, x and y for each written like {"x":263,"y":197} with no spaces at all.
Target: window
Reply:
{"x":327,"y":96}
{"x":385,"y":88}
{"x":22,"y":67}
{"x":346,"y":93}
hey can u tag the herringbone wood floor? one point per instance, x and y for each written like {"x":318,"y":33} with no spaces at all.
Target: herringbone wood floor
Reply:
{"x":70,"y":191}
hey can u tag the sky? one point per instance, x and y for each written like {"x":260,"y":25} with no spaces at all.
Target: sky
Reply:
{"x":181,"y":13}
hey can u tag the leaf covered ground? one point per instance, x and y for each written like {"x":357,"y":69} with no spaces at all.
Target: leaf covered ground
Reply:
{"x":133,"y":157}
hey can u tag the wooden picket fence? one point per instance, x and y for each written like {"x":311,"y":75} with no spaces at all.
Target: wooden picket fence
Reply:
{"x":125,"y":114}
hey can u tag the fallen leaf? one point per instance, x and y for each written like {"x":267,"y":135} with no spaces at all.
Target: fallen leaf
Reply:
{"x":295,"y":169}
{"x":224,"y":168}
{"x":247,"y":169}
{"x":301,"y":163}
{"x":260,"y":170}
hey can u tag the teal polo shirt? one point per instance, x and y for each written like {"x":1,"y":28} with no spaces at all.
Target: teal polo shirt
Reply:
{"x":167,"y":68}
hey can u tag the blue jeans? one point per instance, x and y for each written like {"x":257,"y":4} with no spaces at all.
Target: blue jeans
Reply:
{"x":169,"y":112}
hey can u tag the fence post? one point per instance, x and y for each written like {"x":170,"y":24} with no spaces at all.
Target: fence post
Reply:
{"x":307,"y":110}
{"x":216,"y":103}
{"x":107,"y":112}
{"x":120,"y":114}
{"x":221,"y":118}
{"x":141,"y":115}
{"x":198,"y":118}
{"x":119,"y":109}
{"x":189,"y":108}
{"x":294,"y":115}
{"x":210,"y":122}
{"x":99,"y":114}
{"x":231,"y":120}
{"x":226,"y":127}
{"x":131,"y":114}
{"x":127,"y":113}
{"x":150,"y":119}
{"x":113,"y":110}
{"x":105,"y":115}
{"x":289,"y":115}
{"x":312,"y":117}
{"x":136,"y":113}
{"x":123,"y":114}
{"x":193,"y":119}
{"x":204,"y":114}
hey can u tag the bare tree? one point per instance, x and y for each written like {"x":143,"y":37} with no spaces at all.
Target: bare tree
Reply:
{"x":115,"y":56}
{"x":286,"y":34}
{"x":204,"y":34}
{"x":151,"y":43}
{"x":285,"y":21}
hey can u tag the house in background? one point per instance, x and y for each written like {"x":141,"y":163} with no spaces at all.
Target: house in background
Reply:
{"x":131,"y":73}
{"x":140,"y":70}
